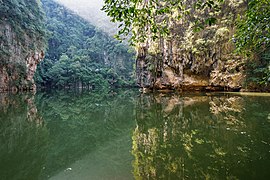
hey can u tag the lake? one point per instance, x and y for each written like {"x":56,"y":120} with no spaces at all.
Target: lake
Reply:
{"x":61,"y":135}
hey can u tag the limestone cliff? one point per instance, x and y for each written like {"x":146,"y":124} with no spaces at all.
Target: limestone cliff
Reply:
{"x":194,"y":60}
{"x":22,"y":43}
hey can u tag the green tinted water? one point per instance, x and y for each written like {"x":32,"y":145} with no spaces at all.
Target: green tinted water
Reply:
{"x":126,"y":135}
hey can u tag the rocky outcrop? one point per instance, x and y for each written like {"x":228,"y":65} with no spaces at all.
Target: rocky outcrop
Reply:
{"x":190,"y":60}
{"x":21,"y":46}
{"x":17,"y":71}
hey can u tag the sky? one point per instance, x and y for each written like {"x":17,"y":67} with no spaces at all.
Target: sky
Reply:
{"x":90,"y":10}
{"x":95,"y":5}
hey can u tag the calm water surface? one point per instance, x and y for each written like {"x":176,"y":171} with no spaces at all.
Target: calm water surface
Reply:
{"x":127,"y":135}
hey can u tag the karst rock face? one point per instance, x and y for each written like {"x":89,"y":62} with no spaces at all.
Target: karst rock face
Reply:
{"x":189,"y":60}
{"x":22,"y":44}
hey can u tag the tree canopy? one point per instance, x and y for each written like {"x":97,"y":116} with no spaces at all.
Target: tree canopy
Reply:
{"x":141,"y":17}
{"x":80,"y":55}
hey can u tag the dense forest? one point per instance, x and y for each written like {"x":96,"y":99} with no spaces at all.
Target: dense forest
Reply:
{"x":79,"y":55}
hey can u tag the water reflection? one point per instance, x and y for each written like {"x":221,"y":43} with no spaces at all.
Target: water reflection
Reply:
{"x":201,"y":137}
{"x":127,"y":135}
{"x":66,"y":135}
{"x":89,"y":133}
{"x":23,"y":138}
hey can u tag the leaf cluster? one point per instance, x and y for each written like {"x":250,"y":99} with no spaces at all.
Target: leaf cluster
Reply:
{"x":253,"y":29}
{"x":141,"y":17}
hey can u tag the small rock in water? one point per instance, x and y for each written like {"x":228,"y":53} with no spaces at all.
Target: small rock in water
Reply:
{"x":69,"y":169}
{"x":228,"y":128}
{"x":243,"y":132}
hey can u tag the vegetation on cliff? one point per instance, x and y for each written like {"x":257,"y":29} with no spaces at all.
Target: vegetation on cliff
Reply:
{"x":80,"y":55}
{"x":253,"y":40}
{"x":22,"y":41}
{"x":26,"y":19}
{"x":209,"y":44}
{"x":192,"y":43}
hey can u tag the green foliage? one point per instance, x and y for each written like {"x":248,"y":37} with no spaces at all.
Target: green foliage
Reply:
{"x":258,"y":71}
{"x":155,"y":19}
{"x":80,"y":55}
{"x":22,"y":31}
{"x":141,"y":17}
{"x":26,"y":18}
{"x":253,"y":33}
{"x":253,"y":40}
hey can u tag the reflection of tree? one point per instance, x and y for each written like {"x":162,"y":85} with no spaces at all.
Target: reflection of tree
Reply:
{"x":81,"y":123}
{"x":23,"y":138}
{"x":228,"y":108}
{"x":196,"y":138}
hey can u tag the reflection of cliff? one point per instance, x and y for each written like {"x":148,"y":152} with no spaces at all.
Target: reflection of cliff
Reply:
{"x":228,"y":109}
{"x":23,"y":138}
{"x":196,"y":137}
